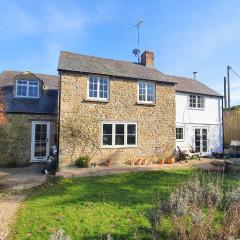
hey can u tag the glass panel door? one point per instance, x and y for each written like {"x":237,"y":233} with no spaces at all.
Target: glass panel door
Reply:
{"x":40,"y":146}
{"x":201,"y":139}
{"x":204,"y":140}
{"x":197,"y":140}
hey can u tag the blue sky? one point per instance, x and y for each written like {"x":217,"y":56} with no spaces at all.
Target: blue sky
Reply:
{"x":186,"y":36}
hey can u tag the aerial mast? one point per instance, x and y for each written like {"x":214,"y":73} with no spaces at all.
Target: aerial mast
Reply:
{"x":136,"y":51}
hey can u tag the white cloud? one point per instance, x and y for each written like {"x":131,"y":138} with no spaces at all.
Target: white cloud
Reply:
{"x":52,"y":18}
{"x":15,"y":20}
{"x":53,"y":25}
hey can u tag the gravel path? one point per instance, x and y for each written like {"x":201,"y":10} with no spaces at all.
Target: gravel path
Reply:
{"x":12,"y":183}
{"x":9,"y":204}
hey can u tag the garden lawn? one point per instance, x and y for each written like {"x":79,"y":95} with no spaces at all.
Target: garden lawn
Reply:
{"x":92,"y":207}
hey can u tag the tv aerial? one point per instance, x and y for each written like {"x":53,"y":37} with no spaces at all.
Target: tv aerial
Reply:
{"x":136,"y":51}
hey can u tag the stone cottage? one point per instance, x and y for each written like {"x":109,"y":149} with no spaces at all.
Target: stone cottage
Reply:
{"x":114,"y":110}
{"x":28,"y":116}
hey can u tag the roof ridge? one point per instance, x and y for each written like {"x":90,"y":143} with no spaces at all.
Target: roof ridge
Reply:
{"x":101,"y":58}
{"x":17,"y":71}
{"x":188,"y":78}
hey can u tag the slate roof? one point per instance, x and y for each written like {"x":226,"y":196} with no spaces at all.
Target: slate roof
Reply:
{"x":190,"y":85}
{"x":46,"y":104}
{"x":89,"y":64}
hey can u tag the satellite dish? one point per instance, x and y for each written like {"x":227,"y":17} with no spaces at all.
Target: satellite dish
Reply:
{"x":136,"y":52}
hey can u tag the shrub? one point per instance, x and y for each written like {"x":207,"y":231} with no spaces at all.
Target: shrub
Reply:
{"x":192,"y":209}
{"x":82,"y":162}
{"x":233,"y":196}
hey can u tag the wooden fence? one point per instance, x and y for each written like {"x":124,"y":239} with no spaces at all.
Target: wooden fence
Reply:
{"x":231,"y":120}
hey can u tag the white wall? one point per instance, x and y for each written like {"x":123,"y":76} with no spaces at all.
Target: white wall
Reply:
{"x":210,"y":117}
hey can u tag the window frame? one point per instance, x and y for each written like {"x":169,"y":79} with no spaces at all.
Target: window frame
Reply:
{"x":180,"y":139}
{"x":27,"y":88}
{"x":197,"y":98}
{"x":154,"y":92}
{"x":98,"y":98}
{"x":114,"y":123}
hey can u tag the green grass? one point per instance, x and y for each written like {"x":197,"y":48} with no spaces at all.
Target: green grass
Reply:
{"x":89,"y":208}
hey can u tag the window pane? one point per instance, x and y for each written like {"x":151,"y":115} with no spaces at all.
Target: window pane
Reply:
{"x":107,"y":134}
{"x":131,"y":140}
{"x":33,"y":91}
{"x":149,"y":92}
{"x":142,"y":92}
{"x":131,"y":129}
{"x":33,"y":83}
{"x":101,"y":94}
{"x":119,"y":131}
{"x":179,"y":133}
{"x":196,"y":101}
{"x":131,"y":134}
{"x":107,"y":128}
{"x":22,"y":90}
{"x":103,"y":91}
{"x":98,"y":87}
{"x":146,"y":92}
{"x":107,"y":139}
{"x":197,"y":140}
{"x":119,"y":128}
{"x":119,"y":139}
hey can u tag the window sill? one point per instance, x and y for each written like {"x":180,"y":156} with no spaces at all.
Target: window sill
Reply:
{"x":191,"y":108}
{"x":117,"y":147}
{"x":146,"y":103}
{"x":96,"y":100}
{"x":26,"y":97}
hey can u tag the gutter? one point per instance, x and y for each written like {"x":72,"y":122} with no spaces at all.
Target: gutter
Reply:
{"x":58,"y":119}
{"x":117,"y":76}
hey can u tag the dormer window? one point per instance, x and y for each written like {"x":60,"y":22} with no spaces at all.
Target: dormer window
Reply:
{"x":27,"y":88}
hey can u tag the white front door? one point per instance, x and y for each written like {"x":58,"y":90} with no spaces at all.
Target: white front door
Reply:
{"x":201,"y":140}
{"x":40,"y":141}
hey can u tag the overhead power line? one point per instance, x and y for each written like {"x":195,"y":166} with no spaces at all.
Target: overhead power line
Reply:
{"x":235,"y":72}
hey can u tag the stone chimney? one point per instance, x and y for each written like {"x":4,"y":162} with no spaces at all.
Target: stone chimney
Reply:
{"x":147,"y":59}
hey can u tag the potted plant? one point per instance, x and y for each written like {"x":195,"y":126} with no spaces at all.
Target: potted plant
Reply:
{"x":108,"y":163}
{"x":170,"y":160}
{"x":161,"y":160}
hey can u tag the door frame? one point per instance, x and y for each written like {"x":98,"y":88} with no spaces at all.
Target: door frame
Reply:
{"x":34,"y":159}
{"x":201,"y":128}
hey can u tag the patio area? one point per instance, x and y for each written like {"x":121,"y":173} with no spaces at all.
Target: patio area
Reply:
{"x":21,"y":177}
{"x":73,"y":172}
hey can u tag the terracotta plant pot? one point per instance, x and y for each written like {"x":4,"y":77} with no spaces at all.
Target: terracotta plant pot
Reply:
{"x":138,"y":162}
{"x":143,"y":162}
{"x":171,"y":160}
{"x":161,"y":161}
{"x":108,"y":163}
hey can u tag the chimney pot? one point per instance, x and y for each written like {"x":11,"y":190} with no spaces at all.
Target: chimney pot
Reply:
{"x":147,"y":58}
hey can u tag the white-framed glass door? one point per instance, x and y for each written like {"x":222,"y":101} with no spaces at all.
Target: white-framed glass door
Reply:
{"x":201,"y":140}
{"x":40,"y":141}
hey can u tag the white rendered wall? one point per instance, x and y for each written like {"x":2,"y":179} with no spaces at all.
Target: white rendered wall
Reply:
{"x":210,"y":117}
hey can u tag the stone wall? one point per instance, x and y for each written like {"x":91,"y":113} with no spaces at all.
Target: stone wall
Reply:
{"x":82,"y":118}
{"x":15,"y":137}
